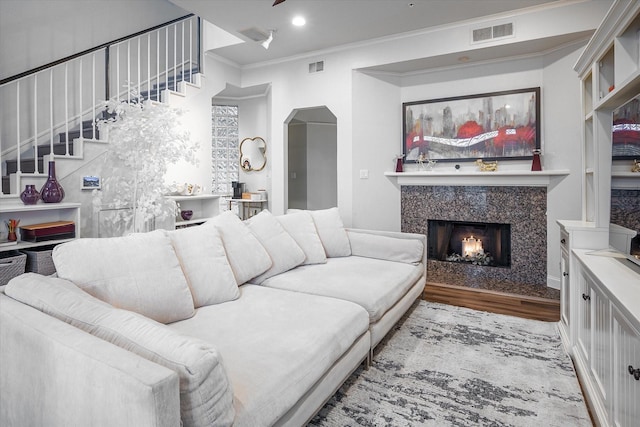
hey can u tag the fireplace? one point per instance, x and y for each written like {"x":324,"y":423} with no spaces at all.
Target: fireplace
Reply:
{"x":520,"y":213}
{"x":478,"y":243}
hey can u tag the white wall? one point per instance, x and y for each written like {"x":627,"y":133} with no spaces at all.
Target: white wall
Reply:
{"x":37,"y":32}
{"x":322,"y":182}
{"x":252,"y":122}
{"x":297,"y":166}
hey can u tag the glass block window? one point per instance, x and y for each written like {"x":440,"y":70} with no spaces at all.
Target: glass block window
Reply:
{"x":224,"y":148}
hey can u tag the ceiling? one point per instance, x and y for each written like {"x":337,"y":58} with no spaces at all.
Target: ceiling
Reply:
{"x":333,"y":23}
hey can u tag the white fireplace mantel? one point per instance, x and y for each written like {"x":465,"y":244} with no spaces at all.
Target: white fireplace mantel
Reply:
{"x":505,"y":178}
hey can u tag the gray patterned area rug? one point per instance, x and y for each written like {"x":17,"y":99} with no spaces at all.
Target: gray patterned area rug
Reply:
{"x":451,"y":366}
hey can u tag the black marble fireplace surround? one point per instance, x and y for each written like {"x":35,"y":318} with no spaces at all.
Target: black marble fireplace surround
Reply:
{"x":524,"y":208}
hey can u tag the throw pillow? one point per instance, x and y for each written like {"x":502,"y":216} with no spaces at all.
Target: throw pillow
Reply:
{"x":331,"y":231}
{"x":139,"y":272}
{"x":206,"y":396}
{"x":205,"y":265}
{"x":301,"y":227}
{"x":247,"y":256}
{"x":282,"y":248}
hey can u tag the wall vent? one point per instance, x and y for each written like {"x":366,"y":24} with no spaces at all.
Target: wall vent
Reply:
{"x":255,"y":34}
{"x":489,"y":33}
{"x":316,"y":67}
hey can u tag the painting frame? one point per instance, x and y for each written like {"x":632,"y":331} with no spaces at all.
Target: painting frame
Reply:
{"x":458,"y":128}
{"x":91,"y":183}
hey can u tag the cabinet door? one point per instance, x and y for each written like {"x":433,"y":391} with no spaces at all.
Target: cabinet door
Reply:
{"x":583,"y":338}
{"x":626,"y":388}
{"x":565,"y":310}
{"x":600,"y":358}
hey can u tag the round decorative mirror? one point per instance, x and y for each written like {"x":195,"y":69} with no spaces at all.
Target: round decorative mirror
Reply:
{"x":252,"y":154}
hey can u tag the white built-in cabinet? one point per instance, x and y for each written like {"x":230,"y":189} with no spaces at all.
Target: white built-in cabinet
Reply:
{"x":600,"y":294}
{"x":36,"y":214}
{"x":606,"y":345}
{"x":609,"y":71}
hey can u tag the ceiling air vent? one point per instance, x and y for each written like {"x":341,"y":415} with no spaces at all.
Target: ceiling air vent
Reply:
{"x":255,"y":34}
{"x":316,"y":67}
{"x":494,"y":32}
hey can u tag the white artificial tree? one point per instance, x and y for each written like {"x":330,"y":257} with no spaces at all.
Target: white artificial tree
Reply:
{"x":144,"y":139}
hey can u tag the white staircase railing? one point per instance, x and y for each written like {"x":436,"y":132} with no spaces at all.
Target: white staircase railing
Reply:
{"x":45,"y":110}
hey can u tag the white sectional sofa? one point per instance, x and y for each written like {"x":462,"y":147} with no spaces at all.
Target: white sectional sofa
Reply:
{"x":253,"y":323}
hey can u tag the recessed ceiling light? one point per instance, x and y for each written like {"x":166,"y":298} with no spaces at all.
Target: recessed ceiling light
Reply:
{"x":299,"y":21}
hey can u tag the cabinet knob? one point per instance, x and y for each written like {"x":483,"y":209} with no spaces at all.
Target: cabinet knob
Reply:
{"x":563,"y":241}
{"x":586,"y":297}
{"x":565,"y":274}
{"x":634,"y":372}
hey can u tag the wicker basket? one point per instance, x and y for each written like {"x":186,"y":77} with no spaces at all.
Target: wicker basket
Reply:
{"x":39,"y":260}
{"x":12,"y":264}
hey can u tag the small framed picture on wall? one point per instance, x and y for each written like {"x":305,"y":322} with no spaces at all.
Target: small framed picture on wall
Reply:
{"x":90,"y":183}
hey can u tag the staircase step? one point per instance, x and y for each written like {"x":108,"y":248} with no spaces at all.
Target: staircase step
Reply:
{"x":26,"y":166}
{"x":6,"y":185}
{"x":74,"y":134}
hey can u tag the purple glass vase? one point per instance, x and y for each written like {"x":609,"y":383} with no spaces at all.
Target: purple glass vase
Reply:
{"x":30,"y":195}
{"x":52,"y":191}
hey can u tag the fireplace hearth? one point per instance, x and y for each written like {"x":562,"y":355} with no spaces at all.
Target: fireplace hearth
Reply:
{"x":478,"y":243}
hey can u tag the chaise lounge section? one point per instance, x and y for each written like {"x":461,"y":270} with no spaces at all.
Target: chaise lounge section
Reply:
{"x":245,"y":323}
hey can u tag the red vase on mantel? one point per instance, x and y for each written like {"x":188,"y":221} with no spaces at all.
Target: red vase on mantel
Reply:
{"x":536,"y":166}
{"x":52,"y":191}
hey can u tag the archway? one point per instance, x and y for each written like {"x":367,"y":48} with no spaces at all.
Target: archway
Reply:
{"x":312,"y":178}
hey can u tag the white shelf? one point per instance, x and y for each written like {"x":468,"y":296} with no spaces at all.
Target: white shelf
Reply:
{"x":625,"y":180}
{"x":204,"y":207}
{"x":497,"y":178}
{"x":35,"y":214}
{"x":192,"y":222}
{"x":37,"y":207}
{"x":194,"y":197}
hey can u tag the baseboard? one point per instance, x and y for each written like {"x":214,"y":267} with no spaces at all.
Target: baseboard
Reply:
{"x":596,"y":410}
{"x":554,"y":282}
{"x":528,"y":307}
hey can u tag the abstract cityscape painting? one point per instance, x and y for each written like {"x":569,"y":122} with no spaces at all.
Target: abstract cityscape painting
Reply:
{"x":498,"y":125}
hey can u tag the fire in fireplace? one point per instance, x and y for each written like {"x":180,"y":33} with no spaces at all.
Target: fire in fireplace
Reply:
{"x":478,"y":243}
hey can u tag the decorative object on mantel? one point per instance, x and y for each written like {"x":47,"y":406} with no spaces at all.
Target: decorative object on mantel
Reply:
{"x":186,"y":214}
{"x":12,"y":226}
{"x":398,"y":160}
{"x":487,"y":166}
{"x":536,"y":166}
{"x":30,"y":195}
{"x":425,"y":163}
{"x":52,"y":191}
{"x":144,"y":139}
{"x":635,"y":167}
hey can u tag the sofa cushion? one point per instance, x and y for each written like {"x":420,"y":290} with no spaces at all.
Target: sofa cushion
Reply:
{"x":205,"y":265}
{"x":301,"y":227}
{"x":247,"y":256}
{"x":139,"y":272}
{"x":280,"y":345}
{"x":281,"y":247}
{"x":387,"y":248}
{"x":331,"y":231}
{"x":206,"y":397}
{"x":374,"y":284}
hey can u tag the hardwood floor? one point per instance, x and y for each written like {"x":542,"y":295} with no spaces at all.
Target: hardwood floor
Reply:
{"x":495,"y":302}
